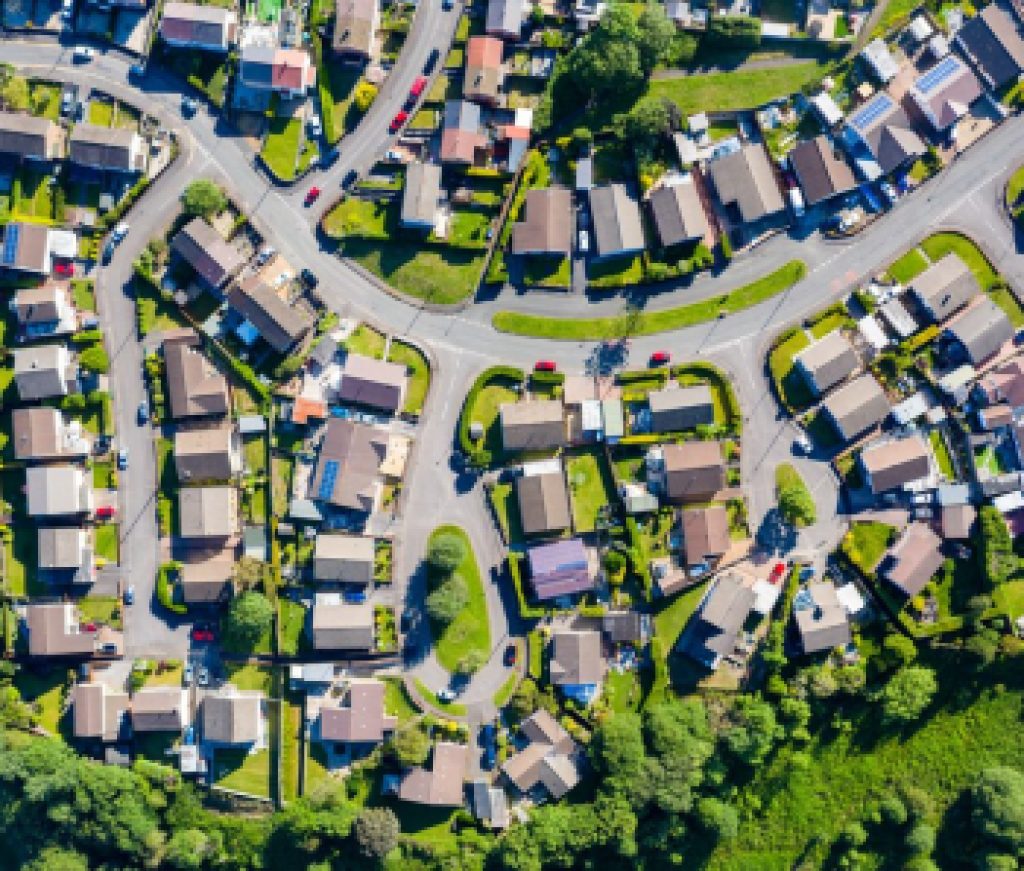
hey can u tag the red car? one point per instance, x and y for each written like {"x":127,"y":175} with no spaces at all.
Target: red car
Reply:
{"x":89,"y":627}
{"x":65,"y":269}
{"x":201,"y":634}
{"x":398,"y":121}
{"x":105,"y":511}
{"x":312,"y":194}
{"x":417,"y":88}
{"x":545,"y":366}
{"x":660,"y":358}
{"x":778,"y":570}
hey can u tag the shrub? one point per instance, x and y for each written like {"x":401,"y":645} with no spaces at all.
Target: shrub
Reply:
{"x":95,"y":359}
{"x":446,"y":552}
{"x":249,"y":618}
{"x":165,"y":588}
{"x":446,"y":602}
{"x":203,"y":198}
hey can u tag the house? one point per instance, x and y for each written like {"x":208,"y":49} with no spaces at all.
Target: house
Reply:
{"x":338,"y":625}
{"x":880,"y":137}
{"x":489,"y":804}
{"x":746,"y":185}
{"x":206,"y":28}
{"x":25,"y":137}
{"x":714,"y":629}
{"x":505,"y":18}
{"x":207,"y":452}
{"x":98,"y":714}
{"x":945,"y":287}
{"x":43,"y":372}
{"x":230,"y":717}
{"x":994,"y":417}
{"x":822,"y":171}
{"x":547,"y":227}
{"x":355,"y":29}
{"x":560,"y":568}
{"x":359,"y":717}
{"x":208,"y":512}
{"x":694,"y":471}
{"x":678,"y":213}
{"x":110,"y":149}
{"x":372,"y":382}
{"x":1004,"y":383}
{"x":543,"y":499}
{"x":348,"y":558}
{"x":347,"y":471}
{"x":194,"y":386}
{"x":823,"y":105}
{"x":857,"y":406}
{"x":895,"y":463}
{"x":550,"y":761}
{"x":44,"y":311}
{"x":705,"y":533}
{"x":679,"y":408}
{"x":821,"y":619}
{"x":618,"y":227}
{"x":626,"y":627}
{"x":981,"y":331}
{"x":576,"y":665}
{"x":288,"y":72}
{"x":26,"y":248}
{"x":913,"y":560}
{"x":41,"y":433}
{"x":212,"y":257}
{"x":461,"y":135}
{"x":826,"y":362}
{"x":957,"y":521}
{"x":992,"y":42}
{"x":56,"y":491}
{"x":880,"y":61}
{"x":944,"y":93}
{"x":160,"y":709}
{"x":65,"y":555}
{"x":514,"y":139}
{"x":54,"y":630}
{"x":207,"y":573}
{"x":532,"y":425}
{"x":420,"y":196}
{"x":484,"y":72}
{"x":441,"y":785}
{"x":281,"y":323}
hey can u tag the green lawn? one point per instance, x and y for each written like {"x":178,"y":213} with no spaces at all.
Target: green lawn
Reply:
{"x":337,"y":84}
{"x":242,"y":771}
{"x":485,"y":412}
{"x":866,"y":543}
{"x":169,"y":677}
{"x":83,"y":295}
{"x":45,"y":692}
{"x":647,"y":323}
{"x":555,"y":272}
{"x":442,"y":277}
{"x":674,"y":614}
{"x":504,"y":692}
{"x":470,"y":630}
{"x":941,"y":452}
{"x":787,"y":477}
{"x":616,"y":272}
{"x":908,"y":267}
{"x":789,"y":383}
{"x":419,"y":374}
{"x":591,"y":486}
{"x":367,"y":341}
{"x":254,"y":450}
{"x":987,"y":459}
{"x":101,"y":609}
{"x":107,"y":544}
{"x":506,"y":508}
{"x":45,"y":99}
{"x":292,"y":619}
{"x":467,"y":228}
{"x":1014,"y":189}
{"x":101,"y":113}
{"x":397,"y":701}
{"x":453,"y":708}
{"x":101,"y":472}
{"x":251,"y":677}
{"x":360,"y":218}
{"x":624,"y":691}
{"x":895,"y":13}
{"x":291,"y":728}
{"x":281,"y":146}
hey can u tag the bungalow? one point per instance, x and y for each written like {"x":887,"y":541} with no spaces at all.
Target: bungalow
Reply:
{"x":675,"y":408}
{"x":288,"y":72}
{"x":54,"y":630}
{"x":913,"y":560}
{"x":945,"y":287}
{"x":230,"y":717}
{"x":981,"y":331}
{"x":895,"y":463}
{"x":880,"y":137}
{"x":618,"y":227}
{"x":348,"y":468}
{"x":461,"y":136}
{"x":880,"y":61}
{"x":281,"y":323}
{"x":822,"y":171}
{"x":420,"y":196}
{"x":532,"y":425}
{"x":543,"y":498}
{"x":720,"y":617}
{"x":44,"y":372}
{"x":826,"y":362}
{"x":505,"y":18}
{"x":694,"y":471}
{"x":194,"y":386}
{"x":207,"y":452}
{"x":576,"y":666}
{"x":944,"y":93}
{"x":442,"y":784}
{"x":338,"y":625}
{"x":821,"y":618}
{"x":41,"y":433}
{"x":25,"y":137}
{"x":678,"y":213}
{"x":550,"y":761}
{"x":190,"y":25}
{"x":992,"y":42}
{"x":705,"y":533}
{"x":65,"y":555}
{"x":98,"y":713}
{"x":484,"y":72}
{"x":355,"y":29}
{"x":111,"y":149}
{"x":58,"y":491}
{"x":44,"y":311}
{"x":26,"y":248}
{"x":358,"y":719}
{"x":348,"y":558}
{"x":746,"y":185}
{"x":372,"y":382}
{"x":547,"y":228}
{"x":857,"y":406}
{"x":213,"y":258}
{"x":208,"y":512}
{"x":560,"y":568}
{"x":160,"y":709}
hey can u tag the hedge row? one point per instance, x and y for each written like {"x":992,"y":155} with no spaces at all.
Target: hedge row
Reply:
{"x":733,"y":412}
{"x":483,"y":380}
{"x":164,"y":589}
{"x":526,"y":610}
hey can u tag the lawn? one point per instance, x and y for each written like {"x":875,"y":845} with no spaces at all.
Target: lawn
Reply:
{"x":45,"y":99}
{"x":939,"y":245}
{"x":647,"y":323}
{"x":788,"y":478}
{"x":987,"y":459}
{"x":168,"y":677}
{"x":359,"y":218}
{"x":425,"y":273}
{"x":242,"y":771}
{"x":553,"y":272}
{"x":624,"y":690}
{"x":397,"y":701}
{"x":367,"y":341}
{"x":291,"y":728}
{"x":36,"y":201}
{"x":789,"y":384}
{"x":101,"y":471}
{"x":101,"y":113}
{"x":46,"y":693}
{"x":83,"y":295}
{"x":281,"y":146}
{"x":468,"y":228}
{"x":251,"y":677}
{"x":616,"y":272}
{"x":485,"y":412}
{"x":453,"y":708}
{"x":107,"y":544}
{"x":506,"y":509}
{"x":1014,"y":188}
{"x":895,"y":13}
{"x":419,"y":374}
{"x":908,"y":267}
{"x":591,"y":486}
{"x":865,"y":544}
{"x":254,"y":449}
{"x":504,"y":692}
{"x":941,"y":452}
{"x":292,"y":620}
{"x":337,"y":84}
{"x":673,"y":616}
{"x":100,"y":609}
{"x":469,"y":631}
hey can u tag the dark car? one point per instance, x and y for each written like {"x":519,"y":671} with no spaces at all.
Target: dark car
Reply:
{"x":349,"y":178}
{"x":309,"y":277}
{"x":142,"y":413}
{"x":511,"y":655}
{"x":432,"y":58}
{"x":330,"y":157}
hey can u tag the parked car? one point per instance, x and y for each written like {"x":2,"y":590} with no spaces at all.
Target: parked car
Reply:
{"x":660,"y":358}
{"x":142,"y":413}
{"x":446,"y":695}
{"x":83,"y":53}
{"x":584,"y":243}
{"x":67,"y":9}
{"x":108,"y":251}
{"x":204,"y":676}
{"x":314,"y":126}
{"x":188,"y":106}
{"x":545,"y":366}
{"x":137,"y":70}
{"x":416,"y":91}
{"x":129,"y":595}
{"x":330,"y":156}
{"x":311,"y":195}
{"x":511,"y":655}
{"x":802,"y":444}
{"x":349,"y":179}
{"x":398,"y":121}
{"x":120,"y":231}
{"x":432,"y":59}
{"x":105,"y":512}
{"x":778,"y":570}
{"x":309,"y":277}
{"x":188,"y":674}
{"x":354,"y":597}
{"x":122,"y":459}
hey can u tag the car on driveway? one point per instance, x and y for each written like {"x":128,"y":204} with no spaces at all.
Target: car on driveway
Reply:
{"x":204,"y":676}
{"x":778,"y":570}
{"x":511,"y":655}
{"x":83,"y":53}
{"x":398,"y":121}
{"x":188,"y":106}
{"x":354,"y":597}
{"x":142,"y":413}
{"x":129,"y":595}
{"x":416,"y":91}
{"x":104,"y":512}
{"x":311,"y":195}
{"x":309,"y":277}
{"x":188,"y":674}
{"x":432,"y":59}
{"x":446,"y":695}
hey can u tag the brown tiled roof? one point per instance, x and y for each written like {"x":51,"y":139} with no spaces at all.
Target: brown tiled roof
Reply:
{"x":543,"y":502}
{"x":354,"y":26}
{"x":705,"y":532}
{"x":208,"y":512}
{"x":547,"y":228}
{"x":678,"y":213}
{"x":353,"y":452}
{"x":23,"y":135}
{"x":195,"y":386}
{"x":694,"y":470}
{"x":914,"y":559}
{"x":896,"y":462}
{"x":205,"y":453}
{"x":35,"y":433}
{"x":198,"y":24}
{"x":532,"y":425}
{"x":442,"y":784}
{"x":159,"y":709}
{"x":483,"y":68}
{"x":576,"y":658}
{"x":361,"y":719}
{"x":821,"y":171}
{"x":48,"y":633}
{"x":372,"y":382}
{"x":207,"y":252}
{"x":280,"y":323}
{"x":113,"y":148}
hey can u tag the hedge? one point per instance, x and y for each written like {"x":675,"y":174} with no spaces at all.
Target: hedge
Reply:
{"x":633,"y":375}
{"x":164,"y":589}
{"x":482,"y":381}
{"x":733,"y":412}
{"x":547,"y":377}
{"x":526,"y":610}
{"x":535,"y":659}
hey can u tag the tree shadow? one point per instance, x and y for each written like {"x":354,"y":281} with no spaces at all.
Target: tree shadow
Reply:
{"x":775,"y":535}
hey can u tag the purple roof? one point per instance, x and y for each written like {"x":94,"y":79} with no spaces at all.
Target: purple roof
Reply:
{"x":559,"y":569}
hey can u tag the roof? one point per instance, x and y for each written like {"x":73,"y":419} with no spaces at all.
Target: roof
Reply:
{"x":944,"y":92}
{"x":361,"y":719}
{"x":993,"y":43}
{"x":56,"y":490}
{"x":206,"y":574}
{"x":461,"y":135}
{"x":62,"y":547}
{"x":541,"y":727}
{"x":97,"y":712}
{"x":53,"y":630}
{"x":207,"y":252}
{"x":483,"y":68}
{"x":368,"y":381}
{"x":694,"y":470}
{"x":957,"y":521}
{"x":505,"y":17}
{"x":678,"y":213}
{"x":421,"y":193}
{"x":41,"y":371}
{"x":25,"y":135}
{"x":40,"y":305}
{"x":884,"y":128}
{"x":275,"y":68}
{"x":348,"y":548}
{"x":26,"y":247}
{"x":828,"y":361}
{"x":896,"y":462}
{"x":576,"y":658}
{"x":676,"y":408}
{"x":722,"y":615}
{"x":945,"y":287}
{"x":198,"y":24}
{"x":1005,"y":383}
{"x":543,"y":502}
{"x":577,"y":389}
{"x":547,"y":228}
{"x":208,"y":512}
{"x":982,"y":330}
{"x":623,"y":626}
{"x":558,"y":569}
{"x":618,"y":228}
{"x":231,"y":716}
{"x":280,"y":322}
{"x":342,"y":626}
{"x":347,"y":468}
{"x":160,"y":709}
{"x":856,"y":406}
{"x":914,"y":559}
{"x":880,"y":59}
{"x":823,"y":623}
{"x":489,"y":804}
{"x":441,"y":785}
{"x":195,"y":386}
{"x":114,"y":148}
{"x":36,"y":433}
{"x":205,"y":453}
{"x":745,"y":178}
{"x":705,"y":532}
{"x":355,"y":25}
{"x":532,"y":425}
{"x":820,"y":169}
{"x":304,"y":408}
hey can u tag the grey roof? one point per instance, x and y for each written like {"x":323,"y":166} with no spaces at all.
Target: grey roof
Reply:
{"x":57,"y":490}
{"x":348,"y":466}
{"x":362,"y":719}
{"x":280,"y":322}
{"x":678,"y":408}
{"x":576,"y":658}
{"x":40,"y":371}
{"x":54,"y":630}
{"x":694,"y":470}
{"x":208,"y":512}
{"x":36,"y":433}
{"x":945,"y":287}
{"x":618,"y":228}
{"x":678,"y":213}
{"x":532,"y":425}
{"x":39,"y":305}
{"x":505,"y":17}
{"x":895,"y":462}
{"x":821,"y":170}
{"x":342,"y":626}
{"x":857,"y":406}
{"x":827,"y":361}
{"x":543,"y":502}
{"x":944,"y":92}
{"x":368,"y":381}
{"x":24,"y":135}
{"x":746,"y":178}
{"x":207,"y":252}
{"x":883,"y":126}
{"x":26,"y":247}
{"x":206,"y":573}
{"x":992,"y":42}
{"x":231,"y":716}
{"x":421,"y":193}
{"x":442,"y":784}
{"x":823,"y":624}
{"x":622,"y":626}
{"x":547,"y":227}
{"x":489,"y":803}
{"x":722,"y":615}
{"x":880,"y":59}
{"x":160,"y":709}
{"x":957,"y":521}
{"x":981,"y":330}
{"x":61,"y":547}
{"x":206,"y":453}
{"x":914,"y":559}
{"x":194,"y":385}
{"x":344,"y":558}
{"x":115,"y":148}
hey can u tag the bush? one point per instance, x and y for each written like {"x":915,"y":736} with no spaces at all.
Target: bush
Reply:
{"x":446,"y":552}
{"x":203,"y":198}
{"x":249,"y":617}
{"x":165,"y":589}
{"x":95,"y":359}
{"x":446,"y":602}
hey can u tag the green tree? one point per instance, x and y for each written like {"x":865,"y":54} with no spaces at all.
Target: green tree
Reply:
{"x":58,"y":859}
{"x":446,"y":602}
{"x":607,"y":61}
{"x":192,"y":848}
{"x":898,"y":650}
{"x":921,"y":840}
{"x":471,"y":662}
{"x":645,"y":122}
{"x":997,"y":807}
{"x":655,"y":36}
{"x":680,"y":742}
{"x":718,"y":818}
{"x":908,"y":693}
{"x":618,"y":752}
{"x":204,"y":198}
{"x":892,"y":811}
{"x":796,"y":505}
{"x":983,"y":647}
{"x":993,"y":546}
{"x":753,"y":730}
{"x":446,"y":552}
{"x":376,"y":832}
{"x":15,"y":94}
{"x":364,"y":95}
{"x":410,"y":745}
{"x":249,"y":618}
{"x":95,"y":359}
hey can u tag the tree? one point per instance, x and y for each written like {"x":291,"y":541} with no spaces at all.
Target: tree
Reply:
{"x":680,"y":742}
{"x":898,"y":650}
{"x":471,"y":662}
{"x":617,"y":750}
{"x":892,"y":811}
{"x":58,"y":859}
{"x":754,"y":729}
{"x":364,"y":95}
{"x":95,"y":359}
{"x":645,"y":122}
{"x":14,"y":93}
{"x":204,"y":198}
{"x":614,"y":563}
{"x":718,"y":818}
{"x":410,"y":745}
{"x":983,"y":647}
{"x":376,"y":831}
{"x":683,"y":50}
{"x":796,"y":505}
{"x":73,"y":402}
{"x":250,"y":616}
{"x":997,"y":807}
{"x":993,"y":546}
{"x":607,"y":60}
{"x":909,"y":692}
{"x":446,"y":602}
{"x":655,"y":36}
{"x":921,"y":840}
{"x":191,"y":848}
{"x":446,"y":552}
{"x":537,"y":14}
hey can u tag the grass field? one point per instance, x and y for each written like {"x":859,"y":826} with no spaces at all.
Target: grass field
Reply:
{"x":107,"y":542}
{"x":591,"y":486}
{"x":101,"y":113}
{"x":101,"y":609}
{"x":453,"y":708}
{"x":291,"y":728}
{"x":504,"y":692}
{"x":438,"y":277}
{"x":787,"y":477}
{"x":397,"y":701}
{"x":242,"y":771}
{"x":789,"y":383}
{"x":292,"y":621}
{"x":419,"y":374}
{"x":469,"y":631}
{"x":46,"y":693}
{"x":866,"y":543}
{"x":281,"y":147}
{"x":367,"y":341}
{"x":360,"y":218}
{"x":506,"y":508}
{"x":251,"y":677}
{"x":485,"y":412}
{"x":942,"y":457}
{"x":673,"y":616}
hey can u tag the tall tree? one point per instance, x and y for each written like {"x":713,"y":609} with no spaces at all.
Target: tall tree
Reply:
{"x":997,"y":807}
{"x":908,"y":693}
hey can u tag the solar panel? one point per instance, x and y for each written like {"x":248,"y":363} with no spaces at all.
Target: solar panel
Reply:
{"x":11,"y":244}
{"x":938,"y":74}
{"x":870,"y":113}
{"x":328,"y":479}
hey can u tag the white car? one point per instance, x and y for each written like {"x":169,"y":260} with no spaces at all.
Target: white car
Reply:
{"x":315,"y":128}
{"x":446,"y":696}
{"x":120,"y":231}
{"x":83,"y":53}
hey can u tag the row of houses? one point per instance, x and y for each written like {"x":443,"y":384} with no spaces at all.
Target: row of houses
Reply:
{"x":24,"y":137}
